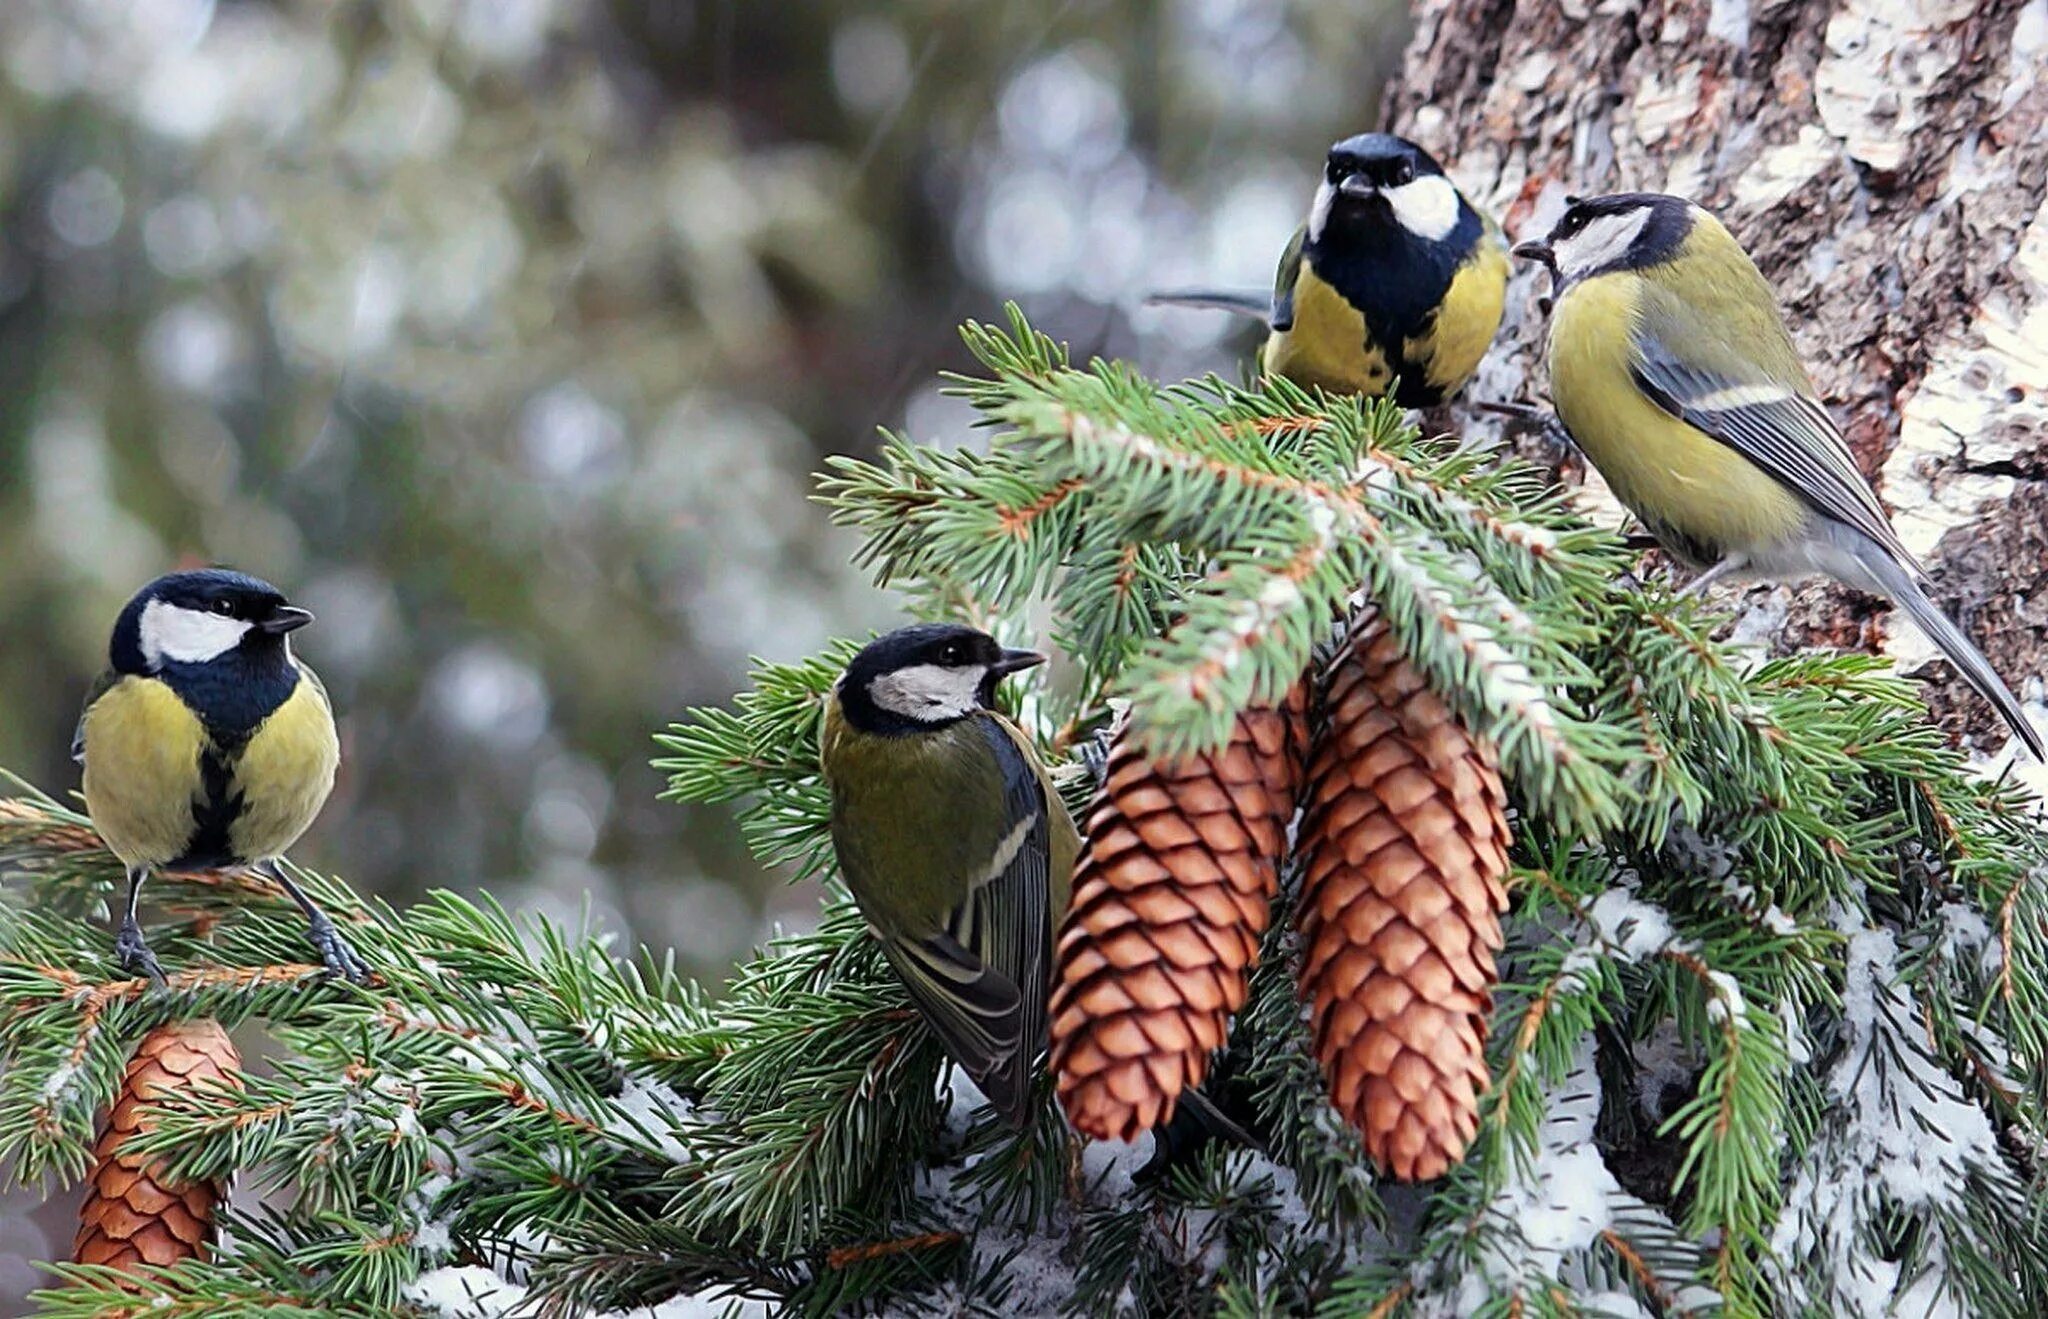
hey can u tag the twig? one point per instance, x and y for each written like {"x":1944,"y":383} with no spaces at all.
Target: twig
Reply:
{"x":847,"y":1256}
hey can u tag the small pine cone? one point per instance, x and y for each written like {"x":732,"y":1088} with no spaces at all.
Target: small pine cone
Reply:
{"x":1404,"y":845}
{"x":133,"y":1214}
{"x":1171,"y":893}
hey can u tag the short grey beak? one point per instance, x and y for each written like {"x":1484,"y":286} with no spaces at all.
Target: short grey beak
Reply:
{"x":1536,"y":250}
{"x":1016,"y":661}
{"x":285,"y":618}
{"x":1357,"y":185}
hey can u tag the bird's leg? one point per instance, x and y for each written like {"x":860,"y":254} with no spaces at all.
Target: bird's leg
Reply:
{"x":1729,"y":564}
{"x":338,"y":957}
{"x":1094,"y":755}
{"x":1527,"y":418}
{"x":129,"y":945}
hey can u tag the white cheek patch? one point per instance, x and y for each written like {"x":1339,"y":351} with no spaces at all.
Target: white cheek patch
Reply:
{"x":1603,"y":242}
{"x":174,"y":634}
{"x":1426,"y":207}
{"x":1319,"y":210}
{"x":930,"y":693}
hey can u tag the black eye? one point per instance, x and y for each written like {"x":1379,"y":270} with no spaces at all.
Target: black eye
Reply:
{"x":1333,"y":172}
{"x":953,"y":654}
{"x":1404,"y":172}
{"x":225,"y":608}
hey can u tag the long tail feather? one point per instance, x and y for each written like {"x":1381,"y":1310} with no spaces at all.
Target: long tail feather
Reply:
{"x":1210,"y":1120}
{"x":1241,"y":302}
{"x":1898,"y":583}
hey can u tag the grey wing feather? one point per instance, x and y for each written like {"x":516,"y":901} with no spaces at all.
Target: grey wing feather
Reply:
{"x":1791,"y":436}
{"x":973,"y":1008}
{"x":981,"y":981}
{"x":1015,"y":905}
{"x":306,"y":672}
{"x":100,"y":685}
{"x":1284,"y":280}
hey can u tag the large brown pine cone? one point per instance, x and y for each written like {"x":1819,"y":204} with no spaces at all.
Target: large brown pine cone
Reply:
{"x":1172,"y":891}
{"x":1404,"y":849}
{"x":133,"y":1213}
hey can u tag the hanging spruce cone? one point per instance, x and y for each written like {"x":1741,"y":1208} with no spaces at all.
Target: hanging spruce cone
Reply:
{"x":1171,"y":894}
{"x":1404,"y":846}
{"x":133,"y":1214}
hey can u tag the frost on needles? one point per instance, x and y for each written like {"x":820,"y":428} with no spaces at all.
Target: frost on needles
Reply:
{"x":1770,"y":1038}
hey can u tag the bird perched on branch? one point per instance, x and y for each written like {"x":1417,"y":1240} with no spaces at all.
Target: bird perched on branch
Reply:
{"x":1395,"y":274}
{"x":207,"y":745}
{"x":953,"y":841}
{"x":1671,"y":368}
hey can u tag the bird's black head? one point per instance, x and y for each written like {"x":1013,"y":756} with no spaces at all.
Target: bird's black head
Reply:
{"x":192,"y":618}
{"x":1620,"y":231}
{"x":1377,"y":161}
{"x":1376,"y":180}
{"x":925,"y":676}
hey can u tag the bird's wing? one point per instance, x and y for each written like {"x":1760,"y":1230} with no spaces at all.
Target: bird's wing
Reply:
{"x":100,"y":687}
{"x":1284,"y":280}
{"x":1018,"y":897}
{"x":1781,"y":429}
{"x":312,"y":680}
{"x":981,"y":979}
{"x":975,"y":1011}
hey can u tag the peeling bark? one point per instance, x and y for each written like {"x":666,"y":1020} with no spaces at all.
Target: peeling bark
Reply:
{"x":1886,"y":163}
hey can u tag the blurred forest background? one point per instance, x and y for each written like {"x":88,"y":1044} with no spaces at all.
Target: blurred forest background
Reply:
{"x":505,"y":334}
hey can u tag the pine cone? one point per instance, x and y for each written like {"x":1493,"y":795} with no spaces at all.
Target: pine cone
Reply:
{"x":133,"y":1214}
{"x":1404,"y":846}
{"x":1171,"y":893}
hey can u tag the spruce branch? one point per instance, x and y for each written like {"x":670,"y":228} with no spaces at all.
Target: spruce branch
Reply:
{"x":765,"y":750}
{"x":1016,"y":522}
{"x":1770,"y":1034}
{"x":1275,"y":527}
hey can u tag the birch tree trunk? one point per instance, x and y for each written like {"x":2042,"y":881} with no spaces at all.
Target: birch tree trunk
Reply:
{"x":1886,"y":163}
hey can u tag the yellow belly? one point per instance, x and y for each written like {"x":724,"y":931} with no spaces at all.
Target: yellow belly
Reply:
{"x":285,"y":773}
{"x":143,"y":749}
{"x":1467,"y":321}
{"x":142,"y":770}
{"x":1328,"y":346}
{"x":1672,"y":475}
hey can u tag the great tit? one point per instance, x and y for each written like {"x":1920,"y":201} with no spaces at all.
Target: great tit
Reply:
{"x":1671,"y":368}
{"x":953,"y":841}
{"x":1394,"y":275}
{"x":207,"y":745}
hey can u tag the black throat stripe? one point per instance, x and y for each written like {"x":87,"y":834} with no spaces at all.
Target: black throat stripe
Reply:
{"x":1396,"y":280}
